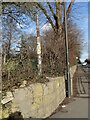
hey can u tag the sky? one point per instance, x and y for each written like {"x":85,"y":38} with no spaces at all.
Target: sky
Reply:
{"x":83,"y":25}
{"x":79,"y":16}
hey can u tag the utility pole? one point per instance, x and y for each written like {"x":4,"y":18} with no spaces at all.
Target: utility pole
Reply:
{"x":67,"y":54}
{"x":39,"y":49}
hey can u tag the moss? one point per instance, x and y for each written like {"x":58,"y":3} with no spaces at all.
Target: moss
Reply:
{"x":4,"y":113}
{"x":5,"y":110}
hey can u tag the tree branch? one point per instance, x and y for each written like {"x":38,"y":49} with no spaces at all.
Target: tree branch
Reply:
{"x":69,"y":8}
{"x":45,"y":12}
{"x":14,"y":19}
{"x":10,"y":12}
{"x":68,"y":11}
{"x":51,"y":9}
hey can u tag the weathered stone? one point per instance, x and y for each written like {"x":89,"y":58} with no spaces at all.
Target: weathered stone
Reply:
{"x":45,"y":89}
{"x":23,"y":84}
{"x":6,"y":100}
{"x":57,"y":83}
{"x":50,"y":87}
{"x":40,"y":112}
{"x":38,"y":100}
{"x":34,"y":107}
{"x":46,"y":99}
{"x":72,"y":71}
{"x":16,"y":90}
{"x":37,"y":90}
{"x":5,"y":113}
{"x":48,"y":111}
{"x":15,"y":107}
{"x":23,"y":100}
{"x":9,"y":94}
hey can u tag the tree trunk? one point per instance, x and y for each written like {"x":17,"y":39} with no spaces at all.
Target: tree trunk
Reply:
{"x":9,"y":44}
{"x":5,"y":54}
{"x":28,"y":57}
{"x":21,"y":53}
{"x":10,"y":37}
{"x":59,"y":16}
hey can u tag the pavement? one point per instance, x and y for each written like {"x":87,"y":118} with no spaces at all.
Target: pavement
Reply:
{"x":78,"y":108}
{"x":75,"y":109}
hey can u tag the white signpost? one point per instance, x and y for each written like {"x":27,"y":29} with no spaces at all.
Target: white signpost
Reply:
{"x":39,"y":49}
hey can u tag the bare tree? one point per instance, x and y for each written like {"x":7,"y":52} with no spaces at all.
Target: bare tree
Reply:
{"x":54,"y":50}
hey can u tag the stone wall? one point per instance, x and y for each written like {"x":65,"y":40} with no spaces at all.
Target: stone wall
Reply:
{"x":39,"y":100}
{"x":72,"y":71}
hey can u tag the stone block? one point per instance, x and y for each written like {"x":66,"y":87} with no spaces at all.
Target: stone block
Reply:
{"x":50,"y":87}
{"x":38,"y":100}
{"x":57,"y":84}
{"x":37,"y":90}
{"x":40,"y":112}
{"x":23,"y":100}
{"x":5,"y":113}
{"x":15,"y":107}
{"x":46,"y":99}
{"x":16,"y":91}
{"x":34,"y":107}
{"x":6,"y":100}
{"x":64,"y":92}
{"x":33,"y":114}
{"x":54,"y":106}
{"x":45,"y":90}
{"x":53,"y":96}
{"x":19,"y":94}
{"x":9,"y":94}
{"x":58,"y":91}
{"x":47,"y":111}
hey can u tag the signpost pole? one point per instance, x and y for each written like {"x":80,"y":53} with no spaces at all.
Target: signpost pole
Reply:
{"x":39,"y":49}
{"x":67,"y":54}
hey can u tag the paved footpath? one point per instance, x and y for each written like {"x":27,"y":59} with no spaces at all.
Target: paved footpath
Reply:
{"x":78,"y":108}
{"x":75,"y":109}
